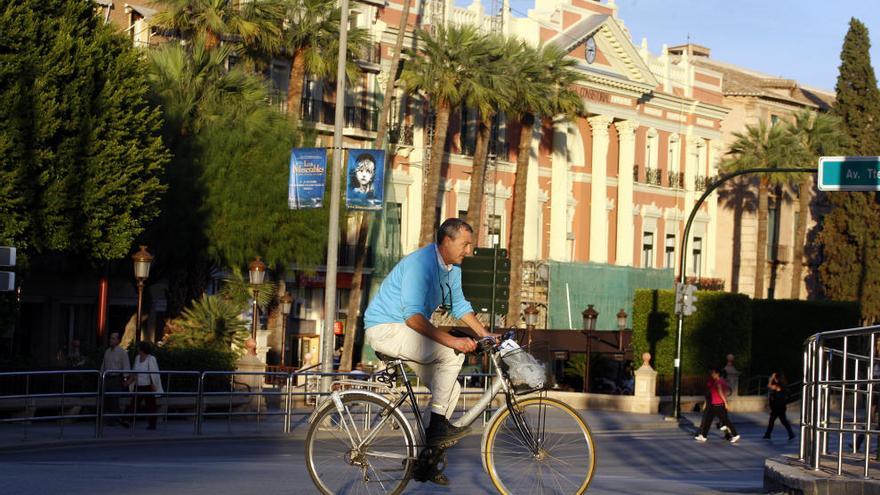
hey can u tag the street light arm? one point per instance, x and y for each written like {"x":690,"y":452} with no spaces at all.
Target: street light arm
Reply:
{"x":676,"y":390}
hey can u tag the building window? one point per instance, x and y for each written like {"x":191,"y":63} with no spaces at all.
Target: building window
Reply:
{"x":392,"y":229}
{"x":648,"y":249}
{"x":494,"y":230}
{"x":772,"y":233}
{"x":670,"y":251}
{"x":774,"y":119}
{"x":697,"y":252}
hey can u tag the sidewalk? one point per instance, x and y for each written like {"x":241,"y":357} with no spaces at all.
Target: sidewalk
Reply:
{"x":36,"y":434}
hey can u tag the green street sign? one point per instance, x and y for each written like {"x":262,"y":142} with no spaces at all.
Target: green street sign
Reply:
{"x":849,"y":173}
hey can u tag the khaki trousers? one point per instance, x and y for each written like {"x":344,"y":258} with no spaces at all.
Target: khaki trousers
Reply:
{"x":436,"y":365}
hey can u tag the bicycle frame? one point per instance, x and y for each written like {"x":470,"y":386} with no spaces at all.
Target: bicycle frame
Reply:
{"x":396,"y":369}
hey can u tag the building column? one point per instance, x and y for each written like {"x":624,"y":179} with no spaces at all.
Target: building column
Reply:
{"x":599,"y":189}
{"x":559,"y":191}
{"x":532,"y":231}
{"x":714,"y":156}
{"x":626,"y":135}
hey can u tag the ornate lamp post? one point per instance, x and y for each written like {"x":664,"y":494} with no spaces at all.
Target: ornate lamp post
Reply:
{"x":621,"y":319}
{"x":531,"y":317}
{"x":590,"y":316}
{"x":142,"y":260}
{"x":257,"y":273}
{"x":286,"y":303}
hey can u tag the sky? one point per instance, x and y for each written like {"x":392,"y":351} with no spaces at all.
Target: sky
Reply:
{"x":793,"y":39}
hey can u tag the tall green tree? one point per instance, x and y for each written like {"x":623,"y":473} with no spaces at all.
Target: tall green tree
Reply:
{"x":310,"y":37}
{"x":814,"y":135}
{"x":761,"y":146}
{"x":443,"y":71}
{"x":227,"y":199}
{"x":849,"y":236}
{"x":81,"y":157}
{"x":543,"y":85}
{"x":858,"y":98}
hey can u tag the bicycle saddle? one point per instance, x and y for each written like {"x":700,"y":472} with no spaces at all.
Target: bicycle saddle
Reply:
{"x":384,"y":357}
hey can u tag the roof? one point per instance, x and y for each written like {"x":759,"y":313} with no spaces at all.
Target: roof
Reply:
{"x":146,"y":12}
{"x":738,"y":81}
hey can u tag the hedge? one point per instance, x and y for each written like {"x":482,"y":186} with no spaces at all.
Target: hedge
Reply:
{"x":720,"y":326}
{"x":780,"y":327}
{"x":191,"y":358}
{"x":765,"y":335}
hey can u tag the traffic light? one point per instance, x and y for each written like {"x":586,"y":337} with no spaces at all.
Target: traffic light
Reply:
{"x":685,"y":299}
{"x":7,"y":258}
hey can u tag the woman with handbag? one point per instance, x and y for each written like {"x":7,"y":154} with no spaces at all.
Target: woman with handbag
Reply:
{"x":147,"y":383}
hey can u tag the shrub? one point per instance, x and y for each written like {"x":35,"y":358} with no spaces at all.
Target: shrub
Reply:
{"x":780,"y":327}
{"x":721,"y":325}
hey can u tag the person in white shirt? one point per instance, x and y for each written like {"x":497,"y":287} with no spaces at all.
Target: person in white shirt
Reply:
{"x":115,"y":358}
{"x":147,"y":383}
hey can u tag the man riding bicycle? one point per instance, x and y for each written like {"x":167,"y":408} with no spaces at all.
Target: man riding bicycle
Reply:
{"x":398,"y":321}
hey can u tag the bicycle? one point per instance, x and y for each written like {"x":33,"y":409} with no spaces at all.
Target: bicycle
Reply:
{"x":533,"y":444}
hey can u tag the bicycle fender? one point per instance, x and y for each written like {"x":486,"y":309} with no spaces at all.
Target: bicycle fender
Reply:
{"x":485,"y":438}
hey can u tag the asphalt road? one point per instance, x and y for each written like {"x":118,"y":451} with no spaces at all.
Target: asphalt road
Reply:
{"x":646,"y":461}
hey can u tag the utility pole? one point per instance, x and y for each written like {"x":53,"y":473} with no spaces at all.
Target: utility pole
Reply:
{"x":328,"y":338}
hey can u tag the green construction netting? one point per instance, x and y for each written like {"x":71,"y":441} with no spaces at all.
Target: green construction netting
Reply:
{"x":608,"y":288}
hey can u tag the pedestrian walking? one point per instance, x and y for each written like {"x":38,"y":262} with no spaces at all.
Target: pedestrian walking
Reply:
{"x":716,"y":406}
{"x":147,"y":383}
{"x":777,"y":395}
{"x":115,"y":359}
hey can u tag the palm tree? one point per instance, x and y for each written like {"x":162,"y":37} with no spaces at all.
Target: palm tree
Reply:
{"x":254,"y":23}
{"x":761,"y":146}
{"x":311,"y":38}
{"x":489,"y":94}
{"x":443,"y":72}
{"x":815,"y":135}
{"x":542,"y":86}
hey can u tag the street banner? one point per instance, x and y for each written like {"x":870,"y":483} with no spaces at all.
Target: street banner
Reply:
{"x":308,"y":173}
{"x":366,"y":178}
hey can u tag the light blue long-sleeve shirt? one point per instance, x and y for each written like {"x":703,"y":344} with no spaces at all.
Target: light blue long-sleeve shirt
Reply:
{"x":417,"y":285}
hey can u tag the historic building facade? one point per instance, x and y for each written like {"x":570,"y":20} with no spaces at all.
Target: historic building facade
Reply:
{"x":753,"y":97}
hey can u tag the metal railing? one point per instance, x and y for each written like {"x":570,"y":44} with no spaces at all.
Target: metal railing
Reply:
{"x":188,"y":401}
{"x":841,"y":374}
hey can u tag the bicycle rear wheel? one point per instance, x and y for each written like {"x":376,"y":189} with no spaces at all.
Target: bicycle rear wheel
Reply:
{"x":565,"y":458}
{"x":382,"y":465}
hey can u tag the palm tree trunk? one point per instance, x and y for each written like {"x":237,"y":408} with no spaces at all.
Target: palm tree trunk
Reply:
{"x":800,"y":234}
{"x":354,"y":297}
{"x":211,"y":39}
{"x":392,"y":73}
{"x":478,"y":176}
{"x":295,"y":85}
{"x":517,"y":218}
{"x":761,"y":255}
{"x":432,"y":175}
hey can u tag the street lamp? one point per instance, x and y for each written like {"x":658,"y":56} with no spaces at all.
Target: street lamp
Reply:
{"x":531,"y":317}
{"x":621,"y":319}
{"x":257,"y":273}
{"x":142,"y":260}
{"x":590,"y":316}
{"x":286,"y":303}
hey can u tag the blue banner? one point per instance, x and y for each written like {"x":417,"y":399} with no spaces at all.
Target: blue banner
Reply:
{"x":366,"y":178}
{"x":308,"y":173}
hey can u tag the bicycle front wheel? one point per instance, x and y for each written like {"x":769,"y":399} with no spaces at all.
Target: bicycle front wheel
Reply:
{"x":558,"y":457}
{"x":366,"y":449}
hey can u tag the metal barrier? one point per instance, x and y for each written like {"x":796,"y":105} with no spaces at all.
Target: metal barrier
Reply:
{"x":841,"y":371}
{"x":104,"y":397}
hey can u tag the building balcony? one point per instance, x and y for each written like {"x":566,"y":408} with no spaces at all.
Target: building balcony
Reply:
{"x":676,"y":180}
{"x":635,"y":173}
{"x":322,"y":112}
{"x":370,"y":58}
{"x":653,"y":176}
{"x":701,"y":182}
{"x":401,"y":134}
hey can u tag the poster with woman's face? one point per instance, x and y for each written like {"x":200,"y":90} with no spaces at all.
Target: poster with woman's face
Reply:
{"x":366,"y":177}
